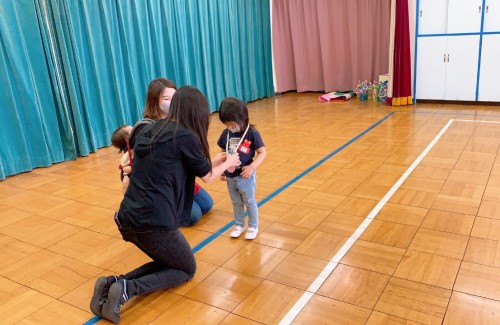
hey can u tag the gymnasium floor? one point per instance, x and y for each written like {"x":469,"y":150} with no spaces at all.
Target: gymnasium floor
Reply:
{"x":368,"y":215}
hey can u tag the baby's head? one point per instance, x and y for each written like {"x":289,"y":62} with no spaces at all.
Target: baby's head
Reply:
{"x":119,"y":139}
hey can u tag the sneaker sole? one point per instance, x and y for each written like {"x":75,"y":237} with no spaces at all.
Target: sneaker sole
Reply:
{"x":111,"y":311}
{"x":99,"y":289}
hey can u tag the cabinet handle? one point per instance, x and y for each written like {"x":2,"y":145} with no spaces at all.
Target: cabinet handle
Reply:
{"x":444,"y":57}
{"x":420,"y":13}
{"x":448,"y":58}
{"x":487,"y":7}
{"x":479,"y":9}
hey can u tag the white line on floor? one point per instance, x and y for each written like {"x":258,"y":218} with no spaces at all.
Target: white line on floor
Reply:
{"x":308,"y":294}
{"x":478,"y":121}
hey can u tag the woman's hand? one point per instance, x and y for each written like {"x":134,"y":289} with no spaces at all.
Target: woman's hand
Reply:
{"x":218,"y":169}
{"x":219,"y":159}
{"x":233,"y":160}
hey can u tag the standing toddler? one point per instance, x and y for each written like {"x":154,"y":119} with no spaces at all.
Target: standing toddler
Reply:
{"x":242,"y":137}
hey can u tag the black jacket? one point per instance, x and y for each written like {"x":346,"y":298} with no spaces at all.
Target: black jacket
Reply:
{"x":166,"y":162}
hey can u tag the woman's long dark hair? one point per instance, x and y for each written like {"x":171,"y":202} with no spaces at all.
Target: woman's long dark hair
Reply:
{"x":189,"y":108}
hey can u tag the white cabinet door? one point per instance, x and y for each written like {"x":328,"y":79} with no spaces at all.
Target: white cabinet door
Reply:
{"x":432,"y":16}
{"x":492,"y":16}
{"x":464,"y":16}
{"x":431,"y":67}
{"x":447,"y":66}
{"x":461,"y":67}
{"x":490,"y":69}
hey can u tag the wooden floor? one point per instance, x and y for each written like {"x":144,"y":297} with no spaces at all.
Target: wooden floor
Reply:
{"x":363,"y":220}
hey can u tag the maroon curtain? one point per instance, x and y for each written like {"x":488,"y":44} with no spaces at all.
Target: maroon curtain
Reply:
{"x":401,"y":84}
{"x":328,"y":45}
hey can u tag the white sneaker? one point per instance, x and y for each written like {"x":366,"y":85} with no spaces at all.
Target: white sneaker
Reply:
{"x":237,"y":231}
{"x":251,"y":233}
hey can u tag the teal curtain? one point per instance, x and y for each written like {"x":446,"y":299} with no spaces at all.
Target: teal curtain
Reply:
{"x":71,"y":71}
{"x":31,"y":127}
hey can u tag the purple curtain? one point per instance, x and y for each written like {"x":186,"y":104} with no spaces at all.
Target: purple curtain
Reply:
{"x":328,"y":45}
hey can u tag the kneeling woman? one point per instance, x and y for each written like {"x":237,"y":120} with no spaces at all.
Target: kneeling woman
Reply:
{"x":169,"y":154}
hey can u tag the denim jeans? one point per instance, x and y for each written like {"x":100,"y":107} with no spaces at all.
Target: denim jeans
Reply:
{"x":202,"y":203}
{"x":242,"y":193}
{"x":173,"y":261}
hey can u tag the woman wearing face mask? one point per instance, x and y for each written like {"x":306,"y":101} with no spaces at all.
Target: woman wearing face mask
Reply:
{"x":158,"y":98}
{"x":160,"y":92}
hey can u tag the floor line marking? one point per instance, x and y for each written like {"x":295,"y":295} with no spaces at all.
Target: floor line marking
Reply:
{"x":308,"y":294}
{"x":478,"y":121}
{"x":283,"y":187}
{"x":448,"y":113}
{"x":92,"y":321}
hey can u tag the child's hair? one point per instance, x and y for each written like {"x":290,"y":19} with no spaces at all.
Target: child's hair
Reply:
{"x":234,"y":110}
{"x":119,"y":138}
{"x":155,"y":89}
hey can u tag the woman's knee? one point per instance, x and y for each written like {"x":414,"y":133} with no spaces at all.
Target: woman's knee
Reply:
{"x":204,"y":200}
{"x":192,"y":273}
{"x":191,"y":269}
{"x":196,"y":214}
{"x":209,"y":203}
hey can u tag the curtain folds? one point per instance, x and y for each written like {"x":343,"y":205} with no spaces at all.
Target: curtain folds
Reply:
{"x":400,"y":93}
{"x":71,"y":71}
{"x":30,"y":125}
{"x":328,"y":45}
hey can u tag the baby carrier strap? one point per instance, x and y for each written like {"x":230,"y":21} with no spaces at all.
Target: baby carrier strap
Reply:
{"x":139,"y":125}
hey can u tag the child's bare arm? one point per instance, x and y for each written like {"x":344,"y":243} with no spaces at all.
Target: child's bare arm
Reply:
{"x":247,"y":171}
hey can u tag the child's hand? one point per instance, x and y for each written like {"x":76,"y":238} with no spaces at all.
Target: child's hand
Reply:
{"x":127,"y":170}
{"x":222,"y":177}
{"x":247,"y":171}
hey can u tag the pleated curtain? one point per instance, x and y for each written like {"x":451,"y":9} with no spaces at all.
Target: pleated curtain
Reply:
{"x":71,"y":71}
{"x":399,"y":92}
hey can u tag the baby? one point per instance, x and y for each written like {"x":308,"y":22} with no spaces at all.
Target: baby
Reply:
{"x":119,"y":139}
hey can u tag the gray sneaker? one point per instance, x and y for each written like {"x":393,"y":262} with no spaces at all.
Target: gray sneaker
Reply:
{"x":100,"y":295}
{"x":117,"y":296}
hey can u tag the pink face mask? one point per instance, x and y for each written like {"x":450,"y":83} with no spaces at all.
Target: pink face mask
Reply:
{"x":235,"y":129}
{"x":165,"y":107}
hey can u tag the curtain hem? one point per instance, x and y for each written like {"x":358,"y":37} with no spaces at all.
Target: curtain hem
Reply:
{"x":400,"y":101}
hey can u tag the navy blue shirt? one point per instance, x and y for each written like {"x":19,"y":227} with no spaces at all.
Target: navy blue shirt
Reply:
{"x":249,"y":145}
